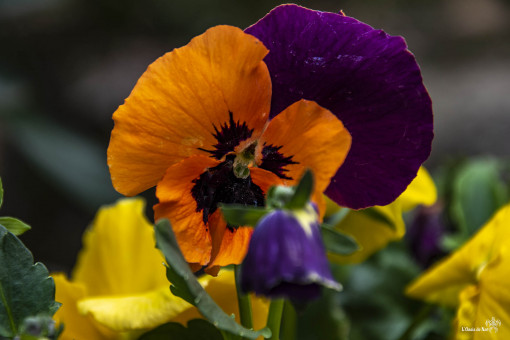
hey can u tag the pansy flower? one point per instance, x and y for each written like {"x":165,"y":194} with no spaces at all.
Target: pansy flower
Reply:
{"x":369,"y":80}
{"x":475,"y":279}
{"x":197,"y":126}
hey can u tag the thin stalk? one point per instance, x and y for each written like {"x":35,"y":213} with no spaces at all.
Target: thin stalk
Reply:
{"x":422,"y":315}
{"x":243,"y":301}
{"x":274,"y":318}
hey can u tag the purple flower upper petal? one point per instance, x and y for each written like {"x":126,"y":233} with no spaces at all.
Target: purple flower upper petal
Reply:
{"x":286,"y":259}
{"x":369,"y":80}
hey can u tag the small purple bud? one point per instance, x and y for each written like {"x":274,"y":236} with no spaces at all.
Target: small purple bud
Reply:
{"x":425,"y":234}
{"x":286,"y":257}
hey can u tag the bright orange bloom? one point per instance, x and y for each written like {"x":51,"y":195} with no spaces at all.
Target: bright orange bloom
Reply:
{"x":197,"y":126}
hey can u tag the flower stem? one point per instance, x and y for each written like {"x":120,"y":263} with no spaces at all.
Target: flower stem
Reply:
{"x":422,"y":315}
{"x":243,"y":301}
{"x":274,"y":318}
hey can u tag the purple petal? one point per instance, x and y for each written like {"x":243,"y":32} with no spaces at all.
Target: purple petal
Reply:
{"x":369,"y":80}
{"x":286,"y":259}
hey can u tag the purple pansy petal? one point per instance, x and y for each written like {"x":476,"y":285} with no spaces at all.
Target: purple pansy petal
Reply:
{"x":369,"y":80}
{"x":286,"y":259}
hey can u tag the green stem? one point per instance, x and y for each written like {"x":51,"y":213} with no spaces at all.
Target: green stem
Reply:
{"x":289,"y":318}
{"x":274,"y":318}
{"x":8,"y":310}
{"x":422,"y":315}
{"x":243,"y":301}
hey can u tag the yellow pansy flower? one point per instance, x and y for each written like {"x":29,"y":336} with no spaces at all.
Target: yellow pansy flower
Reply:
{"x":476,"y":278}
{"x":119,"y":288}
{"x":374,"y":231}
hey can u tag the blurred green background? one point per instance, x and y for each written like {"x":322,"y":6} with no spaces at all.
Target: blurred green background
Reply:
{"x":66,"y":65}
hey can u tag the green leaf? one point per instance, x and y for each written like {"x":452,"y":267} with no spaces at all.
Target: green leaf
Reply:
{"x":1,"y":193}
{"x":240,"y":215}
{"x":186,"y":285}
{"x":302,"y":191}
{"x":26,"y":289}
{"x":197,"y":329}
{"x":14,"y":225}
{"x":337,"y":242}
{"x":478,"y":192}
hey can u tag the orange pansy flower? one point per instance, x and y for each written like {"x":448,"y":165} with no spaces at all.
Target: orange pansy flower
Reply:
{"x":197,"y":126}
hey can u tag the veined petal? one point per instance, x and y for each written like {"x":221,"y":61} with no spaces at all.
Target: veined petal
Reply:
{"x":174,"y":108}
{"x":369,"y":80}
{"x":76,"y":325}
{"x":178,"y":205}
{"x":134,"y":312}
{"x":121,"y":234}
{"x":312,"y":137}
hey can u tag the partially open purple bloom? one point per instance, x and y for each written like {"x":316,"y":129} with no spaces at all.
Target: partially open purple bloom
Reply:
{"x":286,"y":257}
{"x":369,"y":80}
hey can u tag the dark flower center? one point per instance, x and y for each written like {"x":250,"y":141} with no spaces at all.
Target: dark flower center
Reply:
{"x":229,"y":136}
{"x":274,"y":161}
{"x":220,"y":185}
{"x":230,"y":181}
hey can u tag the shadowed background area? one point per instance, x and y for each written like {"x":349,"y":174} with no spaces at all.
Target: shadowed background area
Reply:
{"x":65,"y":66}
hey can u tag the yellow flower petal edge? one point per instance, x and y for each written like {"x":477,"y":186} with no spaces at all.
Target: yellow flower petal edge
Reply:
{"x":76,"y":325}
{"x":421,"y":190}
{"x":134,"y":312}
{"x":373,"y":234}
{"x":479,"y":273}
{"x":119,"y":256}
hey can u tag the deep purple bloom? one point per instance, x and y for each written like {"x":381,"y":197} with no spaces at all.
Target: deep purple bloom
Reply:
{"x":369,"y":80}
{"x":286,"y":257}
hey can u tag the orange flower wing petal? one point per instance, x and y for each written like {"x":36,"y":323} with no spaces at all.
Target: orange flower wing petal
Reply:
{"x":177,"y":102}
{"x":229,"y":245}
{"x":313,"y":137}
{"x":178,"y":205}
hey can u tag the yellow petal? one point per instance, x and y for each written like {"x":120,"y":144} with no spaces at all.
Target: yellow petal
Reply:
{"x":223,"y":291}
{"x":119,"y":255}
{"x":421,"y":191}
{"x":375,"y":228}
{"x":482,"y":261}
{"x":372,"y":233}
{"x":134,"y":312}
{"x":76,"y":325}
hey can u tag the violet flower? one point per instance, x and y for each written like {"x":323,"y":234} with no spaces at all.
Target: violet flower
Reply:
{"x":286,"y":257}
{"x":369,"y":80}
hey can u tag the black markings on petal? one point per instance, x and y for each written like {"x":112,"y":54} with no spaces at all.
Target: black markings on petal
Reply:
{"x":273,"y":160}
{"x":229,"y":136}
{"x":220,"y":185}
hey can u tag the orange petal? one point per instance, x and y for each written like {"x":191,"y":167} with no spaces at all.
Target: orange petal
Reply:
{"x":315,"y":139}
{"x":176,"y":103}
{"x":178,"y":205}
{"x":229,"y":246}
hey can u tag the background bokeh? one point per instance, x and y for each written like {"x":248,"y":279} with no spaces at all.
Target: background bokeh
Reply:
{"x":66,"y":65}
